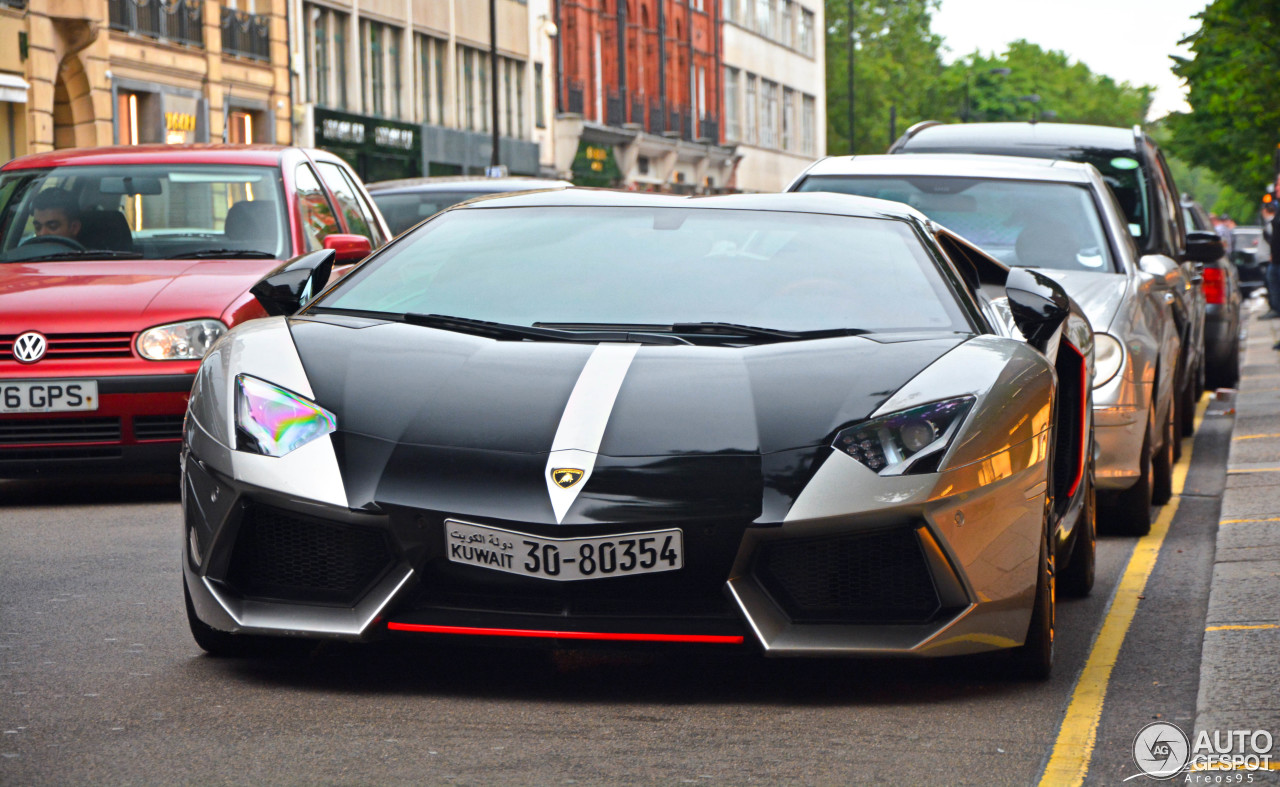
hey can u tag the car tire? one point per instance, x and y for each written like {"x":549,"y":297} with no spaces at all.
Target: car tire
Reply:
{"x":1033,"y":659}
{"x":1191,"y":397}
{"x":222,"y":644}
{"x":1163,"y":461}
{"x":1226,"y":372}
{"x":1129,"y":512}
{"x":1077,"y":578}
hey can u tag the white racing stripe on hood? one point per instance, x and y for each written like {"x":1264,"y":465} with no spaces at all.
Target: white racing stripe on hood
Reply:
{"x":265,"y":349}
{"x":583,"y":421}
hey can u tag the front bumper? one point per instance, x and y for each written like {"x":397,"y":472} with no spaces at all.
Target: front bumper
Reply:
{"x":948,"y":573}
{"x":1118,"y":433}
{"x":136,"y":428}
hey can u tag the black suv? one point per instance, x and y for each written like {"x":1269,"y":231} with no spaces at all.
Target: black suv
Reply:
{"x":1135,"y":169}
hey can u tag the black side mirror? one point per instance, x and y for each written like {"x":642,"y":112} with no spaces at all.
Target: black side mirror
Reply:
{"x":1039,"y":305}
{"x":293,"y":285}
{"x":1204,"y":246}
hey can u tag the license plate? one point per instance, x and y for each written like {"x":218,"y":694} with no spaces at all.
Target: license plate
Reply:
{"x":48,"y":396}
{"x":564,"y":559}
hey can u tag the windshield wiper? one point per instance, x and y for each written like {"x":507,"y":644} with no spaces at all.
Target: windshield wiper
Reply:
{"x":756,"y":332}
{"x":711,"y":329}
{"x":536,"y":332}
{"x":245,"y":254}
{"x":77,"y":254}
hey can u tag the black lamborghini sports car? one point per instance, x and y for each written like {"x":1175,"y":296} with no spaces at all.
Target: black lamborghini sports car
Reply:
{"x":809,"y":424}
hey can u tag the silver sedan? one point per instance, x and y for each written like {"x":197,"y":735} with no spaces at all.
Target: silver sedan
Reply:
{"x":1062,"y":218}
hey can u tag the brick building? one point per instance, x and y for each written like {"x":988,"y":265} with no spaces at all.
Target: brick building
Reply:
{"x":639,"y":81}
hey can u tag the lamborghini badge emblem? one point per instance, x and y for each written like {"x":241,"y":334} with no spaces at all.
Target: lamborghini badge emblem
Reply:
{"x":566,"y":477}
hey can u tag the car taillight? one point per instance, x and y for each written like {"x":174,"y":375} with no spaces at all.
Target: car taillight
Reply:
{"x":1215,"y":289}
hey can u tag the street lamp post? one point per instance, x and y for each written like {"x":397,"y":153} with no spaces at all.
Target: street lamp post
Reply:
{"x":494,"y":159}
{"x":852,"y":33}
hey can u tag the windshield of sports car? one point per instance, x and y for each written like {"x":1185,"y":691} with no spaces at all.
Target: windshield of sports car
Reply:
{"x":171,"y":211}
{"x":646,"y":266}
{"x":1021,"y":223}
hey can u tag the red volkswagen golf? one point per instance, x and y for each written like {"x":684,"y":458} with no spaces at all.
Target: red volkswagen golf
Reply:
{"x":119,"y":267}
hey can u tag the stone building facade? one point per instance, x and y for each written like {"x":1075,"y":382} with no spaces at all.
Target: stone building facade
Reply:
{"x":81,"y":73}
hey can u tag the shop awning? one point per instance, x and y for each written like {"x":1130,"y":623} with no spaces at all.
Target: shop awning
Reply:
{"x":13,"y":89}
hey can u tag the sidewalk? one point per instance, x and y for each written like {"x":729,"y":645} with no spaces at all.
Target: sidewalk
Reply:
{"x":1240,"y":661}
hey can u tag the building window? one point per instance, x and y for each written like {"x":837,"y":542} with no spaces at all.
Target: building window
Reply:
{"x":730,"y":11}
{"x":326,"y":49}
{"x":768,"y":114}
{"x":340,"y":59}
{"x":466,"y":96}
{"x":732,"y":118}
{"x":482,"y":85}
{"x":808,"y":126}
{"x":702,"y":93}
{"x":539,"y":98}
{"x":438,"y":65}
{"x":789,"y":118}
{"x":318,"y":74}
{"x":381,"y":61}
{"x":750,"y":118}
{"x":786,"y":24}
{"x":505,"y":67}
{"x":764,"y":18}
{"x":397,"y":83}
{"x":424,"y":74}
{"x":806,"y":32}
{"x":518,"y":68}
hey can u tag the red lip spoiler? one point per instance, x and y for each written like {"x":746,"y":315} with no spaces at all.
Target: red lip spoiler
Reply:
{"x":585,"y":635}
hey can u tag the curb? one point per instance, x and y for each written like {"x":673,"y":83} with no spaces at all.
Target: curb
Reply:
{"x":1240,"y":658}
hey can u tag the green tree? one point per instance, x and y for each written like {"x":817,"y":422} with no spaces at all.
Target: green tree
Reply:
{"x":1045,"y":84}
{"x":1234,"y":124}
{"x":898,"y":69}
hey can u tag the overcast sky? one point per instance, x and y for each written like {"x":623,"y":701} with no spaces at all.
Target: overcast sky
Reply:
{"x":1128,"y":40}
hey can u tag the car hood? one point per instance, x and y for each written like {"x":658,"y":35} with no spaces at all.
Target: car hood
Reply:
{"x":121,"y":295}
{"x":430,"y":418}
{"x":1098,"y":294}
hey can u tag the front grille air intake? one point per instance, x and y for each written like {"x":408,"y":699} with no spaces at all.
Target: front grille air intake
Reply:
{"x":287,"y":556}
{"x":77,"y":345}
{"x":872,"y":578}
{"x":157,"y":427}
{"x":45,"y":431}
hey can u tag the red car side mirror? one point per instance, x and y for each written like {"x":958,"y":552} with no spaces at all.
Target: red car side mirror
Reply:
{"x":348,"y":248}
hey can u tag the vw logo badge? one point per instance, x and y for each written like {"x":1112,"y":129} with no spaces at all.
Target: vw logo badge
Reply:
{"x":29,"y":347}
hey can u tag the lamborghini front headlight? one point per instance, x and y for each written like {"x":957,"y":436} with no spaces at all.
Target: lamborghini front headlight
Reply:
{"x":272,"y":421}
{"x":891,"y":443}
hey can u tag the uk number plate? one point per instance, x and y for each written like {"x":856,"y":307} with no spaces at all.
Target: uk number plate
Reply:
{"x":48,"y":396}
{"x":563,"y":559}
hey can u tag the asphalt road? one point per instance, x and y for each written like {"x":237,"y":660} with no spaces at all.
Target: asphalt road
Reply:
{"x":100,"y":682}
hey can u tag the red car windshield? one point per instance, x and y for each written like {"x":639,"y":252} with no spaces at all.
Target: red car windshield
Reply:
{"x":170,"y":211}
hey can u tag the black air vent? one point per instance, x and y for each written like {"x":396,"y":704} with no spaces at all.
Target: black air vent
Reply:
{"x":864,"y":578}
{"x":283,"y":555}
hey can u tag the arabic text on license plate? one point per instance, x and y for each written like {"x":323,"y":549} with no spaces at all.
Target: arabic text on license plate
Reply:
{"x":588,"y":557}
{"x":48,"y":396}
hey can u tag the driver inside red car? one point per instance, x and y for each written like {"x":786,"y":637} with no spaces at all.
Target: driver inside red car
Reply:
{"x":54,"y":212}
